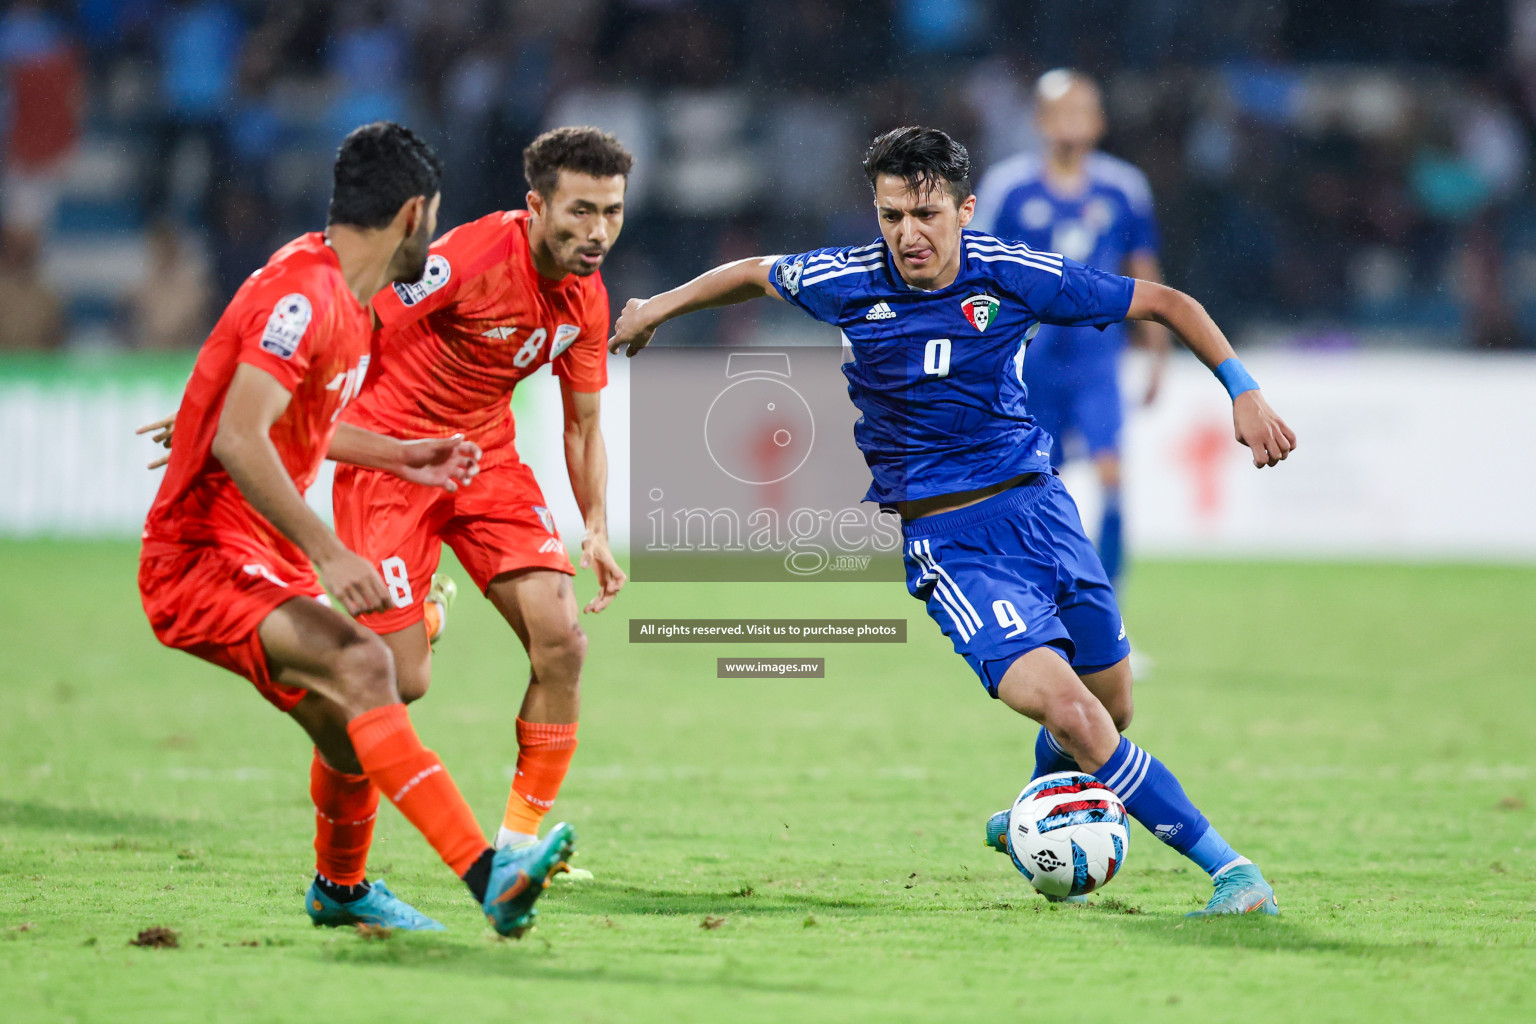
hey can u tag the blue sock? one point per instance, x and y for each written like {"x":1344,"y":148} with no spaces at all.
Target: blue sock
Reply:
{"x":1155,"y":798}
{"x":1049,"y":757}
{"x":1111,"y":544}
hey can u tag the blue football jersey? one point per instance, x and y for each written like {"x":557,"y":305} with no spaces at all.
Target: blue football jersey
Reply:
{"x":1109,"y":220}
{"x":939,"y":375}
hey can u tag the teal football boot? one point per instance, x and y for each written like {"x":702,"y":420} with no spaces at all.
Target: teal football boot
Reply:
{"x":1240,"y":890}
{"x":997,"y":831}
{"x":380,"y":908}
{"x":997,"y":839}
{"x":519,"y":875}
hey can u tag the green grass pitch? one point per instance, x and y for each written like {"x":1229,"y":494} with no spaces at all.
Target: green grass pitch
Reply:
{"x":802,"y":850}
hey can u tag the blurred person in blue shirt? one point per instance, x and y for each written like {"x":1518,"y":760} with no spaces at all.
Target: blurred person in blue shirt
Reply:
{"x":198,"y":45}
{"x":1096,"y":209}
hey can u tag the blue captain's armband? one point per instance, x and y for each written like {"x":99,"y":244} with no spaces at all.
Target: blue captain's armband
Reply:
{"x":1235,"y":377}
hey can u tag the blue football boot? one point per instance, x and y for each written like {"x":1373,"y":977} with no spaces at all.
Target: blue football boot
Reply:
{"x":380,"y":908}
{"x":997,"y":839}
{"x":519,"y":875}
{"x":1240,"y":890}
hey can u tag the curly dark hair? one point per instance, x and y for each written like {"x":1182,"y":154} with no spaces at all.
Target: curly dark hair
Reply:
{"x":379,"y":168}
{"x":923,"y":158}
{"x":582,"y":150}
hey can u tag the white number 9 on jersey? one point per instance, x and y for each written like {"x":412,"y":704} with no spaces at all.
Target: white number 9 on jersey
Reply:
{"x":936,"y":358}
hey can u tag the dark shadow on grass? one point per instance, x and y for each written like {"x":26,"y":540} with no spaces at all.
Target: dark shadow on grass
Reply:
{"x":1251,"y":932}
{"x":531,"y":960}
{"x":49,"y":818}
{"x":598,"y":899}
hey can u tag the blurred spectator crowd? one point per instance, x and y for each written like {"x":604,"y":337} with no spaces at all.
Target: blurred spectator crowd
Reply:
{"x":1325,"y":172}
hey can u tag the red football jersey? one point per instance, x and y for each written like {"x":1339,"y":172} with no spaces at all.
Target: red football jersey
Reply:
{"x":295,"y":319}
{"x":454,"y":344}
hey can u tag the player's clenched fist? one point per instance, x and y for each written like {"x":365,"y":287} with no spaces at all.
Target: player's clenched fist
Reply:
{"x":356,"y":584}
{"x":1261,"y":429}
{"x":632,"y":332}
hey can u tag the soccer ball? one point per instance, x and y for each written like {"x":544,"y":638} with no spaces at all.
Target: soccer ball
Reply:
{"x":1067,"y":834}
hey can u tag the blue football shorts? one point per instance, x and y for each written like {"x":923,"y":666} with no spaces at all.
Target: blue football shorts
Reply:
{"x":1082,"y":400}
{"x":1013,"y":573}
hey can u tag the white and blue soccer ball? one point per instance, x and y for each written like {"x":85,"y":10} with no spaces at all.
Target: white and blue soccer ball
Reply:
{"x":1067,"y":834}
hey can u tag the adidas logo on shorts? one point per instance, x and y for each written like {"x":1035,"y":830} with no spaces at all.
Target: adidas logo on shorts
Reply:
{"x":880,"y":311}
{"x":550,"y":546}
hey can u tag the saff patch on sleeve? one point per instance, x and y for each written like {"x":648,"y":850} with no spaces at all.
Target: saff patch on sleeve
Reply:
{"x":286,"y":326}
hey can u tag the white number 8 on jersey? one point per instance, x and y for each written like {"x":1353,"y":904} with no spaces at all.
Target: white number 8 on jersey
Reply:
{"x":398,"y":580}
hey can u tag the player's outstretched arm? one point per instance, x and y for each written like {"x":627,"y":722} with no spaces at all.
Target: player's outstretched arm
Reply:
{"x":1255,"y":424}
{"x":1144,"y":266}
{"x":446,"y":462}
{"x":243,"y":445}
{"x":726,"y":285}
{"x":586,"y":463}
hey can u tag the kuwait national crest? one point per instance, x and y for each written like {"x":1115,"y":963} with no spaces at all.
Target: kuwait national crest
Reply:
{"x":980,"y":310}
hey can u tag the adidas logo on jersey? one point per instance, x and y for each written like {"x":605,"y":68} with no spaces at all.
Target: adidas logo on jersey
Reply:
{"x":880,"y":311}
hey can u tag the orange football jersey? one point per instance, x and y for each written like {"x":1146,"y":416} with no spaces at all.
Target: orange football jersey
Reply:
{"x":295,"y":319}
{"x":454,"y":344}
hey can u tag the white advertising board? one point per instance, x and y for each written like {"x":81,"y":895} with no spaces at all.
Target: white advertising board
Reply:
{"x":1402,"y":456}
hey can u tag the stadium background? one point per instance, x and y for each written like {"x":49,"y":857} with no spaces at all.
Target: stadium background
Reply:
{"x":1346,"y":186}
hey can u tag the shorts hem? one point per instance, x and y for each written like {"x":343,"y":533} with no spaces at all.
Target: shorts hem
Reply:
{"x":561,"y":565}
{"x":991,"y":670}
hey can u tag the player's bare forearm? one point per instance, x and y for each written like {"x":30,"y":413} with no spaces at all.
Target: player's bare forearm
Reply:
{"x":359,"y":447}
{"x":1185,"y":317}
{"x":586,"y":461}
{"x":446,"y":462}
{"x":244,"y":447}
{"x":1254,"y":423}
{"x":586,"y":456}
{"x":1147,"y":334}
{"x":725,"y":285}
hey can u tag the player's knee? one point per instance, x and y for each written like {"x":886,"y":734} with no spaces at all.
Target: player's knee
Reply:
{"x":1077,"y":719}
{"x":364,"y":672}
{"x":560,"y":651}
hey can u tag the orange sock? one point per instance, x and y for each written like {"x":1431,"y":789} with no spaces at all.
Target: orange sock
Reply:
{"x":416,"y":782}
{"x":345,"y":808}
{"x":433,"y":617}
{"x":543,"y":754}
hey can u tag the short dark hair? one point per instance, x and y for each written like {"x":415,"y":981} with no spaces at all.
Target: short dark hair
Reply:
{"x":379,"y":168}
{"x":921,"y":157}
{"x":589,"y":151}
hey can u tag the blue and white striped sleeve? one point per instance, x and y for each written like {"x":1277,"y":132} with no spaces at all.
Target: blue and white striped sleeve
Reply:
{"x":817,"y":281}
{"x":1055,"y":289}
